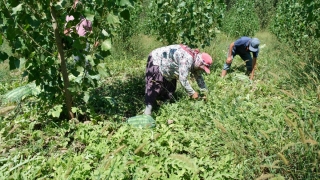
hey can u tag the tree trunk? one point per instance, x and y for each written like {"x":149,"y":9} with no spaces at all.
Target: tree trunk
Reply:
{"x":67,"y":94}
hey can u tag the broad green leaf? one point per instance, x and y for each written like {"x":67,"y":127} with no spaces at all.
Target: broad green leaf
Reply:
{"x":86,"y":97}
{"x":106,"y":45}
{"x":181,"y":33}
{"x":79,"y":78}
{"x":89,"y":14}
{"x":74,"y":109}
{"x":103,"y":70}
{"x":60,"y":5}
{"x":14,"y":63}
{"x":96,"y":77}
{"x":17,"y":9}
{"x":79,"y":44}
{"x":125,"y":14}
{"x":90,"y":59}
{"x":33,"y":22}
{"x":192,"y":31}
{"x":182,"y":4}
{"x":112,"y":19}
{"x":56,"y":111}
{"x":11,"y":32}
{"x":125,"y":3}
{"x":3,"y":56}
{"x":1,"y":41}
{"x":104,"y":32}
{"x":22,"y":62}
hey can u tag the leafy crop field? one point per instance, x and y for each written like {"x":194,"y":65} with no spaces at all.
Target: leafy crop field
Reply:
{"x":263,"y":129}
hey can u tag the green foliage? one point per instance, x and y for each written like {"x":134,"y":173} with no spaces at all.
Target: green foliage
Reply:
{"x":241,"y":19}
{"x":301,"y":32}
{"x":4,"y":50}
{"x":131,"y":26}
{"x":188,"y":22}
{"x":265,"y":10}
{"x":130,"y":40}
{"x":229,"y":4}
{"x":109,"y":100}
{"x":27,"y":26}
{"x":263,"y":129}
{"x":4,"y":77}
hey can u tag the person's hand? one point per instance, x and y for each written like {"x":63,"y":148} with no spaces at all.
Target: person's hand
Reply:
{"x":66,"y":31}
{"x":229,"y":60}
{"x":195,"y":95}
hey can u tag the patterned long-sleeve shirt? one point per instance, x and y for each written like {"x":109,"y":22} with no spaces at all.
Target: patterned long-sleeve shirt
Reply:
{"x":176,"y":63}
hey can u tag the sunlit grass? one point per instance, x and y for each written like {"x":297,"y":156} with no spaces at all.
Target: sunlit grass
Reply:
{"x":268,"y":128}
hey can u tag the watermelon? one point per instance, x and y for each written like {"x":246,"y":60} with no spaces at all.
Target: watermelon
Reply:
{"x":142,"y":121}
{"x":242,"y":77}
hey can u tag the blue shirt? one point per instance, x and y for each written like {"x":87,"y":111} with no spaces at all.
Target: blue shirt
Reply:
{"x":240,"y":46}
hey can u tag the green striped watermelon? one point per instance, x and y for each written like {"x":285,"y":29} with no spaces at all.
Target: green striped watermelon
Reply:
{"x":142,"y":121}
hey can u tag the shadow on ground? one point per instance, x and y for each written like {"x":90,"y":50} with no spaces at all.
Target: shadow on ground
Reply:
{"x":119,"y":98}
{"x":122,"y":99}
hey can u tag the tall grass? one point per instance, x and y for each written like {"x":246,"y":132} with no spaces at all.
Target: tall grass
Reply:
{"x":136,"y":47}
{"x":265,"y":129}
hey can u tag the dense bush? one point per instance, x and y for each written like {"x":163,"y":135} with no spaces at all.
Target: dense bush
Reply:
{"x":265,"y":10}
{"x":241,"y":19}
{"x":189,"y":22}
{"x":131,"y":39}
{"x":243,"y":130}
{"x":297,"y":24}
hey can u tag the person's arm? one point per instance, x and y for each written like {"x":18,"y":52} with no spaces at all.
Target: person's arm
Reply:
{"x":183,"y":76}
{"x":185,"y":83}
{"x":229,"y":59}
{"x":200,"y":81}
{"x":254,"y":65}
{"x":67,"y":31}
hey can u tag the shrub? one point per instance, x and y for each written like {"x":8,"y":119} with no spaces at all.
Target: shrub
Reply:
{"x":301,"y":31}
{"x":241,"y":20}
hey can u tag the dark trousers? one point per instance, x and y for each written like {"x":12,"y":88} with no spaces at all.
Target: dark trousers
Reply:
{"x":156,"y":84}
